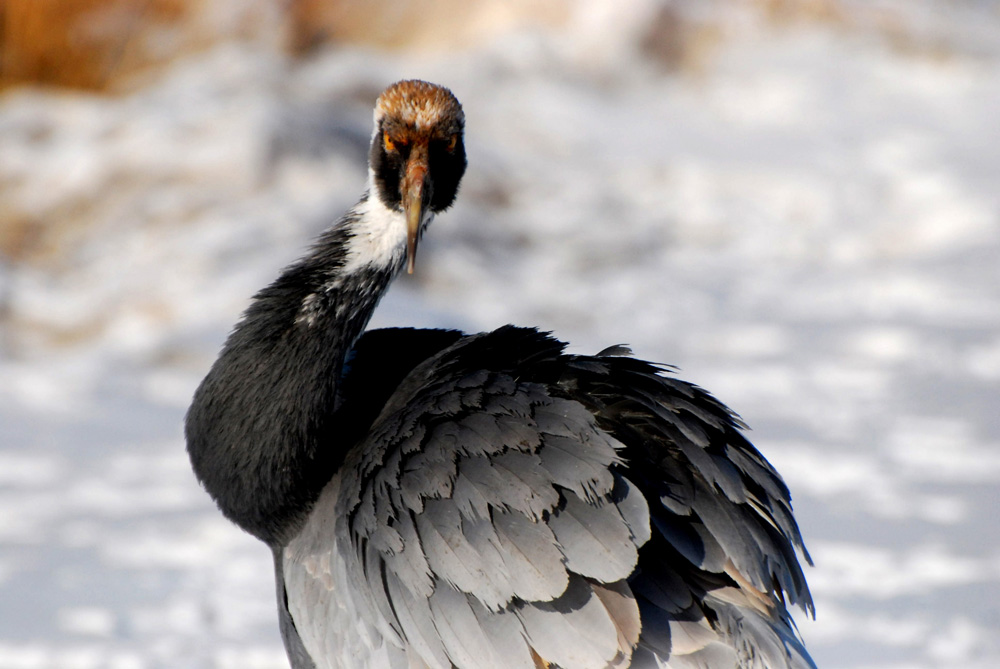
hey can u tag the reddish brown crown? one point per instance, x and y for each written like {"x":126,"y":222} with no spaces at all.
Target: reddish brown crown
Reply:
{"x":420,"y":105}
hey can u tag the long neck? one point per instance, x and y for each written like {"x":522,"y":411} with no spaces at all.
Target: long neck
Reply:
{"x":261,"y":431}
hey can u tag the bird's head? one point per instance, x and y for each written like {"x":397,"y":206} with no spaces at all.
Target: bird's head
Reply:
{"x":417,"y":156}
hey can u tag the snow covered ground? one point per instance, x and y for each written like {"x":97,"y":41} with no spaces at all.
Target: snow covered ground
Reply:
{"x":808,"y":225}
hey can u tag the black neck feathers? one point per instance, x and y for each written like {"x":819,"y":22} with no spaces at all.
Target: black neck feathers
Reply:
{"x":261,"y":431}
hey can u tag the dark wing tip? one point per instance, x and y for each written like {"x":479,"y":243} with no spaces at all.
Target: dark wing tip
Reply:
{"x":616,"y":351}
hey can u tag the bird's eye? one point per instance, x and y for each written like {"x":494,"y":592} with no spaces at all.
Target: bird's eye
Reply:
{"x":452,"y":142}
{"x":389,"y":143}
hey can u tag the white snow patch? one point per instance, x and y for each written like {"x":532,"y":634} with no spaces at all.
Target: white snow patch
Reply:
{"x":852,"y":570}
{"x":859,"y":482}
{"x":19,"y":469}
{"x":87,"y":621}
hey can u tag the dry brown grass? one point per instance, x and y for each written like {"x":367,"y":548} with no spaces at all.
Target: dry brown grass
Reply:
{"x":885,"y":21}
{"x":789,"y":11}
{"x":98,"y":44}
{"x":679,"y":43}
{"x":20,"y":236}
{"x":407,"y":24}
{"x":685,"y":41}
{"x":88,"y":44}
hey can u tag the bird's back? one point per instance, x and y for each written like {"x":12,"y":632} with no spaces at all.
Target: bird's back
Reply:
{"x":509,"y":505}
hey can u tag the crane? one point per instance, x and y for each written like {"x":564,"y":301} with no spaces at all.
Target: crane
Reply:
{"x":436,"y":499}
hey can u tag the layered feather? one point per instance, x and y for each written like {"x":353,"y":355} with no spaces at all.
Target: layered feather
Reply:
{"x":510,"y":502}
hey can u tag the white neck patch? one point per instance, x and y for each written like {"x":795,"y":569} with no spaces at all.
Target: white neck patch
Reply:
{"x":377,"y":241}
{"x":379,"y":236}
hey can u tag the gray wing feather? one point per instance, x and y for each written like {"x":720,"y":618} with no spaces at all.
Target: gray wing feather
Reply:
{"x":473,"y":636}
{"x":470,"y":497}
{"x":572,"y":631}
{"x":317,"y":574}
{"x":463,"y":637}
{"x":618,"y":600}
{"x":632,"y":505}
{"x":692,"y":540}
{"x":718,"y":471}
{"x":508,"y":481}
{"x":493,"y":517}
{"x":736,"y":540}
{"x":507,"y":637}
{"x":453,"y":559}
{"x":410,"y":564}
{"x":531,"y":557}
{"x":664,"y":589}
{"x":426,"y":477}
{"x":716,"y":654}
{"x":482,"y":536}
{"x":580,"y":466}
{"x":759,"y":644}
{"x":414,"y":613}
{"x":596,"y":541}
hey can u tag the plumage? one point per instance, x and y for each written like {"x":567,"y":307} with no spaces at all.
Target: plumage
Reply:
{"x":574,"y":630}
{"x":435,"y":499}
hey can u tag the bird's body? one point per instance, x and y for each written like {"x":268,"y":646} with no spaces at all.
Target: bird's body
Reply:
{"x":435,"y":499}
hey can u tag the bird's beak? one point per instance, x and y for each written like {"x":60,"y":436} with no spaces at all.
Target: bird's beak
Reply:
{"x":412,"y":191}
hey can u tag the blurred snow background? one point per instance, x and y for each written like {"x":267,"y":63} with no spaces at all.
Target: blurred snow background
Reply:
{"x":795,"y":201}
